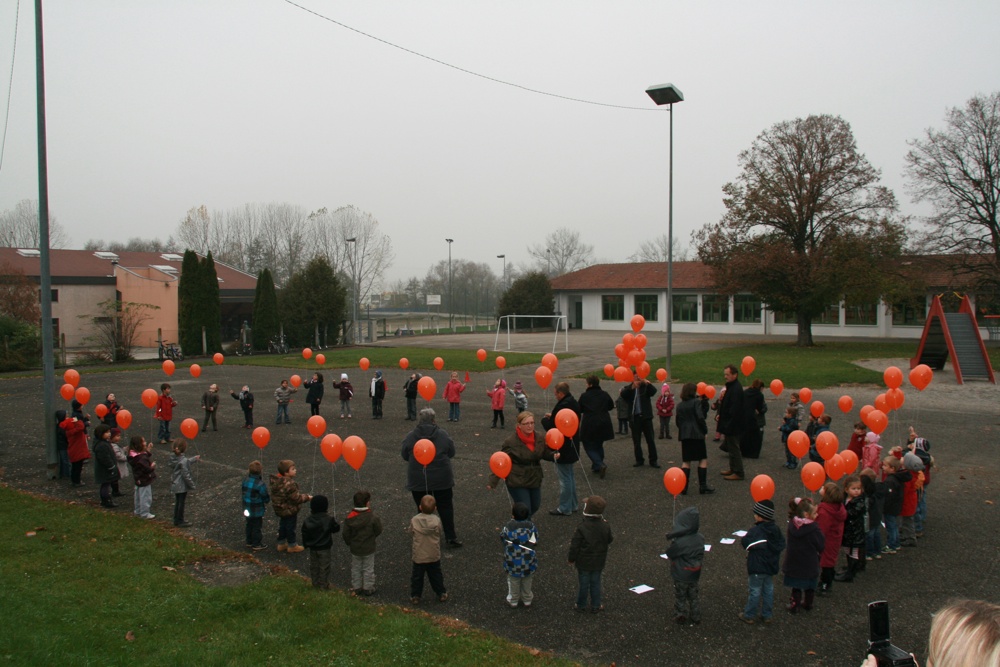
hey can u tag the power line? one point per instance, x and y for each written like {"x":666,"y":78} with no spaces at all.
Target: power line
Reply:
{"x":10,"y":85}
{"x":470,"y":72}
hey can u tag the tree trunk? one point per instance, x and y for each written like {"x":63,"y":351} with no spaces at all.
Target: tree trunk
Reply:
{"x":805,"y":337}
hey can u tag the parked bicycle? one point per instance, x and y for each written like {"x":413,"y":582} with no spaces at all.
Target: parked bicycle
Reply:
{"x":170,"y":351}
{"x":277,"y":345}
{"x":243,"y":349}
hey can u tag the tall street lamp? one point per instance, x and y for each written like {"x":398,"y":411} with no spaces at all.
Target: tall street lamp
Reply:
{"x":451,"y":306}
{"x":548,"y":262}
{"x":354,"y":287}
{"x":668,"y":94}
{"x":504,"y":258}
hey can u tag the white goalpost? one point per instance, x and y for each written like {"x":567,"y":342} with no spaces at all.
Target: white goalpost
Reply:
{"x":562,"y":321}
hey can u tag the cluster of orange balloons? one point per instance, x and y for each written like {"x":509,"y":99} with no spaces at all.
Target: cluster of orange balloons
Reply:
{"x":706,"y":390}
{"x":543,"y":374}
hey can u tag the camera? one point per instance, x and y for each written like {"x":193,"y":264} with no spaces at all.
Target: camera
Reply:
{"x":879,"y":642}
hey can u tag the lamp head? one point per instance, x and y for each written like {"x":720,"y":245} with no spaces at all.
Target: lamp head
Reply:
{"x":665,"y":93}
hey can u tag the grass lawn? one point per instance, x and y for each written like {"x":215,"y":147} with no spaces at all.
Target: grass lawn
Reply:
{"x":93,"y":588}
{"x":420,"y":359}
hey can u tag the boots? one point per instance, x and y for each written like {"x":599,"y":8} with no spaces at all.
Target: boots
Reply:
{"x":847,"y":576}
{"x":703,"y":482}
{"x":796,"y":601}
{"x":687,"y":480}
{"x":107,"y":502}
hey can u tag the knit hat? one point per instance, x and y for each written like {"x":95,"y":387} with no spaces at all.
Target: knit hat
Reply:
{"x":319,"y":504}
{"x":378,"y":374}
{"x":872,"y":438}
{"x":343,"y":376}
{"x":518,"y":386}
{"x":115,"y":432}
{"x":912,"y":462}
{"x":594,"y":505}
{"x":764,"y":509}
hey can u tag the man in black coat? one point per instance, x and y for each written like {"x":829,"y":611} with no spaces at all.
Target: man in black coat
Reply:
{"x":569,"y":454}
{"x":437,"y":478}
{"x":596,"y":427}
{"x":639,"y":395}
{"x":730,"y":422}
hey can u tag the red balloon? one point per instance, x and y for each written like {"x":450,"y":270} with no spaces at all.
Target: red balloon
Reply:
{"x":355,"y":451}
{"x":295,"y":380}
{"x":637,"y":322}
{"x":550,"y":361}
{"x":316,"y":426}
{"x":195,"y":370}
{"x":805,"y":394}
{"x":189,"y":428}
{"x":850,"y":461}
{"x":798,"y":443}
{"x":481,"y":354}
{"x":427,"y":387}
{"x":261,"y":436}
{"x":82,"y":395}
{"x":438,"y":363}
{"x":921,"y":376}
{"x":640,"y":341}
{"x":893,"y":377}
{"x":501,"y":362}
{"x":845,"y":403}
{"x":543,"y":376}
{"x":71,"y":377}
{"x":609,"y":370}
{"x":674,"y":480}
{"x":895,"y":398}
{"x":331,"y":446}
{"x":635,"y":357}
{"x":816,"y":409}
{"x":628,"y":340}
{"x":404,"y":363}
{"x":67,"y":391}
{"x":710,"y":392}
{"x":881,"y":403}
{"x":363,"y":363}
{"x":877,"y":421}
{"x":554,"y":438}
{"x":218,"y":358}
{"x":168,"y":366}
{"x":762,"y":488}
{"x":827,"y":444}
{"x":777,"y":386}
{"x":500,"y":464}
{"x":320,"y":359}
{"x":643,"y":369}
{"x":149,"y":398}
{"x":865,"y":411}
{"x":567,"y":422}
{"x":307,"y":353}
{"x":749,"y":363}
{"x":834,"y":467}
{"x":661,"y":374}
{"x":124,"y":419}
{"x":701,"y":388}
{"x":101,"y":410}
{"x":623,"y":374}
{"x":813,"y":475}
{"x":424,"y":451}
{"x":620,"y":351}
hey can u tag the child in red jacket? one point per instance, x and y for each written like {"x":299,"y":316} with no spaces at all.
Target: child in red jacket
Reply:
{"x":831,"y":518}
{"x":907,"y":532}
{"x":164,"y":413}
{"x":665,"y":410}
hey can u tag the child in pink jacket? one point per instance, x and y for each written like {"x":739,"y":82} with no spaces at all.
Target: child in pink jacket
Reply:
{"x":498,"y":394}
{"x":453,"y":394}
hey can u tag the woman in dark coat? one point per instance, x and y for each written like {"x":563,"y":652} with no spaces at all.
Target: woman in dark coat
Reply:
{"x":315,"y":395}
{"x":595,"y":423}
{"x":753,"y":420}
{"x":691,"y":430}
{"x":526,"y":448}
{"x":436,"y":478}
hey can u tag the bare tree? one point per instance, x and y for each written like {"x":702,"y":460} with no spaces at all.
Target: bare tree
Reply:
{"x":561,"y":252}
{"x":134,"y":244}
{"x":655,"y":250}
{"x":194,"y":230}
{"x":373,"y":255}
{"x":116,"y":326}
{"x":19,"y":227}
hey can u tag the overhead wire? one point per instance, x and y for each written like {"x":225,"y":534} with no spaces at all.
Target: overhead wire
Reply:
{"x":10,"y":84}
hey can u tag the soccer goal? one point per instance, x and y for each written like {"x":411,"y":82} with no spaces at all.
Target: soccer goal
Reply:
{"x":507,"y":321}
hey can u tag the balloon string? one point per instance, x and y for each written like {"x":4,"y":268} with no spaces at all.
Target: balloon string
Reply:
{"x":427,"y":488}
{"x":312,"y":484}
{"x":585,"y":475}
{"x":333,"y":492}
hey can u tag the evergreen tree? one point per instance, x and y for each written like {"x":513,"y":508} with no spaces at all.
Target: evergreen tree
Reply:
{"x":212,"y":309}
{"x":531,"y":294}
{"x":313,"y":296}
{"x":266,"y":322}
{"x":188,"y":304}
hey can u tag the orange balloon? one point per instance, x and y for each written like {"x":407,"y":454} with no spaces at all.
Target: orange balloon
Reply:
{"x":710,"y":392}
{"x":82,"y":395}
{"x":798,"y":443}
{"x":777,"y":386}
{"x":307,"y":353}
{"x":628,"y":340}
{"x":218,"y":358}
{"x":834,"y":467}
{"x":189,"y":428}
{"x":101,"y":410}
{"x":640,"y":341}
{"x":404,"y":363}
{"x":701,"y":387}
{"x":813,"y":475}
{"x":168,"y":366}
{"x":500,"y":464}
{"x":762,"y":488}
{"x":149,"y":398}
{"x":295,"y":380}
{"x":845,"y":403}
{"x":816,"y":409}
{"x":620,"y":351}
{"x":438,"y":363}
{"x":637,"y":322}
{"x":881,"y":403}
{"x":921,"y":376}
{"x":316,"y":426}
{"x":363,"y":363}
{"x":71,"y":377}
{"x":850,"y":461}
{"x":320,"y":359}
{"x":805,"y":394}
{"x":124,"y":419}
{"x":543,"y":376}
{"x":895,"y":398}
{"x":550,"y":361}
{"x":331,"y":446}
{"x":877,"y":421}
{"x":827,"y":444}
{"x":481,"y":354}
{"x":261,"y":436}
{"x":567,"y":422}
{"x":195,"y":370}
{"x":865,"y":411}
{"x":623,"y":374}
{"x":893,"y":377}
{"x":501,"y":362}
{"x":661,"y":374}
{"x":67,"y":391}
{"x":609,"y":370}
{"x":635,"y":357}
{"x":554,"y":438}
{"x":674,"y":480}
{"x":427,"y":387}
{"x":642,"y":370}
{"x":355,"y":451}
{"x":749,"y":363}
{"x":424,"y":451}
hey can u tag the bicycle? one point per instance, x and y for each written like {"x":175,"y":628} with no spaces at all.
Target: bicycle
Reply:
{"x":277,"y":345}
{"x":243,"y":349}
{"x":170,"y":351}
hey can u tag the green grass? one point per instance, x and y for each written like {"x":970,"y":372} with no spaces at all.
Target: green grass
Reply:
{"x":420,"y":358}
{"x":73,"y":592}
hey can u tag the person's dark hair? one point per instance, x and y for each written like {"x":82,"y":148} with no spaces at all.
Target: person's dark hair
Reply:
{"x":832,"y":493}
{"x":732,"y":370}
{"x":563,"y":388}
{"x":757,"y":384}
{"x":101,"y":431}
{"x":689,"y":391}
{"x":593,"y":381}
{"x":256,"y":468}
{"x":426,"y":416}
{"x":165,"y":385}
{"x":135,"y":444}
{"x":362,"y":498}
{"x":800,"y":507}
{"x":520,"y":511}
{"x":180,"y":445}
{"x":319,"y":378}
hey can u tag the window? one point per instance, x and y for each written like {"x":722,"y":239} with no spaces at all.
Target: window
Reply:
{"x":860,"y":315}
{"x":55,"y":296}
{"x":647,"y":305}
{"x":829,"y":316}
{"x":781,"y":317}
{"x":746,"y":309}
{"x":685,"y":308}
{"x":613,"y":307}
{"x":714,"y":308}
{"x":910,"y":312}
{"x":55,"y":331}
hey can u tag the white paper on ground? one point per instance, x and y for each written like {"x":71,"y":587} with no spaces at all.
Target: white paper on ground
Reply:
{"x":739,"y":533}
{"x":727,"y":540}
{"x":708,"y":547}
{"x":641,"y":588}
{"x":664,"y":556}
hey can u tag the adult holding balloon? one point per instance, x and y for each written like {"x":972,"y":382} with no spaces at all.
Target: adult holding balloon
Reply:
{"x":569,"y":453}
{"x":526,"y":449}
{"x":595,"y":423}
{"x":754,"y":420}
{"x":435,"y":478}
{"x":692,"y":430}
{"x":639,"y":396}
{"x":730,"y":422}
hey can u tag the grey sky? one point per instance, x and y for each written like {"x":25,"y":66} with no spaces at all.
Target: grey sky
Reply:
{"x":156,"y":107}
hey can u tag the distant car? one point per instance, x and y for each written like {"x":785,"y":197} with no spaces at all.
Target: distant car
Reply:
{"x":405,"y":332}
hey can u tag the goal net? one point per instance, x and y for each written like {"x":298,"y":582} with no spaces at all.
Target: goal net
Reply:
{"x":506,"y":325}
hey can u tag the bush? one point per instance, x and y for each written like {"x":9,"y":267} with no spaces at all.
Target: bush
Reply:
{"x":20,"y":345}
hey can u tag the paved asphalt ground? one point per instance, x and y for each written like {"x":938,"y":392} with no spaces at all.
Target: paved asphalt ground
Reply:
{"x":958,"y":556}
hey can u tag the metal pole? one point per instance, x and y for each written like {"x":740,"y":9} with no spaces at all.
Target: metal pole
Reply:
{"x":670,"y":249}
{"x":451,"y":304}
{"x":357,"y":293}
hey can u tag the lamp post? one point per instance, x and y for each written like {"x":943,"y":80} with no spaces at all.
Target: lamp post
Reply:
{"x":504,"y":258}
{"x":548,"y":262}
{"x":668,"y":94}
{"x":354,"y":287}
{"x":451,"y":305}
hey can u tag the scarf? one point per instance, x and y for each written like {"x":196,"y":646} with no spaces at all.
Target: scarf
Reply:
{"x":528,"y":440}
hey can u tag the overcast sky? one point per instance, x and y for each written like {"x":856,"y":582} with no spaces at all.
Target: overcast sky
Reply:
{"x":157,"y":107}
